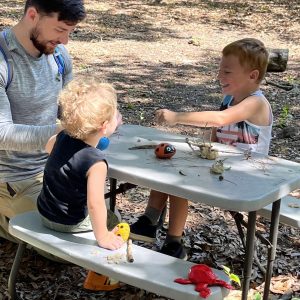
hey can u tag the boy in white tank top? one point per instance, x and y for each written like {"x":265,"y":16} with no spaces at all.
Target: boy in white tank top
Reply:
{"x":244,"y":120}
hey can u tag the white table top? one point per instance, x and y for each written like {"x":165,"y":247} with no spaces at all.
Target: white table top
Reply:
{"x":248,"y":185}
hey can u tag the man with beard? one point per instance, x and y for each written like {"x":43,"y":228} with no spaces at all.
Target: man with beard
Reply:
{"x":28,"y":104}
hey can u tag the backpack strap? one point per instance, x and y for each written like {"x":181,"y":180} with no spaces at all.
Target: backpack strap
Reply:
{"x":9,"y":62}
{"x":59,"y":61}
{"x":7,"y":57}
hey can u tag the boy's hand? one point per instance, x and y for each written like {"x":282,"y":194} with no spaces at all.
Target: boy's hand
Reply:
{"x":111,"y":241}
{"x":165,"y":116}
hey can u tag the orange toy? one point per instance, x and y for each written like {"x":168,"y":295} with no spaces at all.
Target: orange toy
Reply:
{"x":164,"y":150}
{"x":99,"y":282}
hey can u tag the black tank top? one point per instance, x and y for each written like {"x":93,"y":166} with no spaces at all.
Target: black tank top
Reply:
{"x":63,"y":198}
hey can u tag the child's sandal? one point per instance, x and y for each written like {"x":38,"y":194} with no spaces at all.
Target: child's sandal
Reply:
{"x":99,"y":282}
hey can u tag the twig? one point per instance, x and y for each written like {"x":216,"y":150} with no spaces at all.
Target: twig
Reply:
{"x":57,"y":289}
{"x":203,"y":140}
{"x":190,"y":144}
{"x":142,"y":147}
{"x":229,"y":181}
{"x":285,"y":86}
{"x":210,"y":136}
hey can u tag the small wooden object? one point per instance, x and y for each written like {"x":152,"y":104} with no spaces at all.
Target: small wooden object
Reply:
{"x":129,"y":251}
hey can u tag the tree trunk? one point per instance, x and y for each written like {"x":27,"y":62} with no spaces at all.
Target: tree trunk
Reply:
{"x":277,"y":60}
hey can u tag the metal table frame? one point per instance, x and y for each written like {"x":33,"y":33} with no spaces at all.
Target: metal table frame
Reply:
{"x":249,"y":246}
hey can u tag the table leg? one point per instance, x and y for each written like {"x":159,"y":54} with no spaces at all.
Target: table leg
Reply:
{"x":113,"y":192}
{"x":14,"y":271}
{"x":272,"y":249}
{"x":250,"y":241}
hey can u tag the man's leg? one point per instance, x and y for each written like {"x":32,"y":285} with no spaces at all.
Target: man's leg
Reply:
{"x":18,"y":197}
{"x":15,"y":198}
{"x":27,"y":192}
{"x":4,"y":229}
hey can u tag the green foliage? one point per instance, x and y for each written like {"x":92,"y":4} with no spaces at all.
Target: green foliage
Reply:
{"x":232,"y":276}
{"x":196,"y":41}
{"x":257,"y":296}
{"x":292,"y":80}
{"x":130,"y":106}
{"x":284,"y":116}
{"x":142,"y":117}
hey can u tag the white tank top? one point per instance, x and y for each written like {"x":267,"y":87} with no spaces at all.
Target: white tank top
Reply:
{"x":246,"y":135}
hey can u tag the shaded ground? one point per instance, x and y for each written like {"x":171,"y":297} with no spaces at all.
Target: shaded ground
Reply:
{"x":166,"y":54}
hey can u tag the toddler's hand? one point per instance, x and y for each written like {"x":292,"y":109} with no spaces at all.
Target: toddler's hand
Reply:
{"x":111,"y":241}
{"x":165,"y":116}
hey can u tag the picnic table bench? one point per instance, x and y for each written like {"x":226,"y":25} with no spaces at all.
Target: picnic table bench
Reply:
{"x":152,"y":271}
{"x":289,"y":215}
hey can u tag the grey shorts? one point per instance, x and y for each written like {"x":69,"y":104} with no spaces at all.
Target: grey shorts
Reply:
{"x":84,"y":225}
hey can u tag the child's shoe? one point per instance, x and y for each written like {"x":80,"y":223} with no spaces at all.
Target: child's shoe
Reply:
{"x":175,"y":249}
{"x":98,"y":282}
{"x":143,"y":230}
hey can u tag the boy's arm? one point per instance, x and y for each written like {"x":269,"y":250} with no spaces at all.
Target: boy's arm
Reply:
{"x":237,"y":113}
{"x":97,"y":208}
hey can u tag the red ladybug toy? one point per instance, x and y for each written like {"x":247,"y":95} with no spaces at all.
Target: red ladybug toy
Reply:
{"x":164,"y":150}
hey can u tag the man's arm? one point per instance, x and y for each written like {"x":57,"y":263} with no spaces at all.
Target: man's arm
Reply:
{"x":20,"y":137}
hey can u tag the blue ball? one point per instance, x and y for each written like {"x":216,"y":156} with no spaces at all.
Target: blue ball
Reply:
{"x":103,"y":143}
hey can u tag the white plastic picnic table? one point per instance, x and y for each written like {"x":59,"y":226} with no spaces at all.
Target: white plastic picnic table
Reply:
{"x":249,"y":184}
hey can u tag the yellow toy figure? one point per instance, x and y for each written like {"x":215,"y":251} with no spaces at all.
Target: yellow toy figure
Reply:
{"x":123,"y":231}
{"x":99,"y":282}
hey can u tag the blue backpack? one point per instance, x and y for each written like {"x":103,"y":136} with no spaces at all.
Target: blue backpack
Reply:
{"x":8,"y":59}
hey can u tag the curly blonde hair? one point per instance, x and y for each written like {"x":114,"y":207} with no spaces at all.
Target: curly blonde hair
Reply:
{"x":85,"y":106}
{"x":252,"y":55}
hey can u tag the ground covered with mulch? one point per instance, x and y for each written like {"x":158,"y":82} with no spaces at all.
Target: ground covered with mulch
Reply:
{"x":165,"y":54}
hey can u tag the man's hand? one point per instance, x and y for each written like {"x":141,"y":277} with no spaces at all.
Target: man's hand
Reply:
{"x":166,"y":116}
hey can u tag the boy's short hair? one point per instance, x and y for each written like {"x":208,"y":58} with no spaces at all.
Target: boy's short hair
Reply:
{"x":252,"y":54}
{"x":71,"y":11}
{"x":85,"y":106}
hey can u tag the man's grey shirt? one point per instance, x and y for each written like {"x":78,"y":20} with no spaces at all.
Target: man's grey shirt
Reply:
{"x":28,"y":109}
